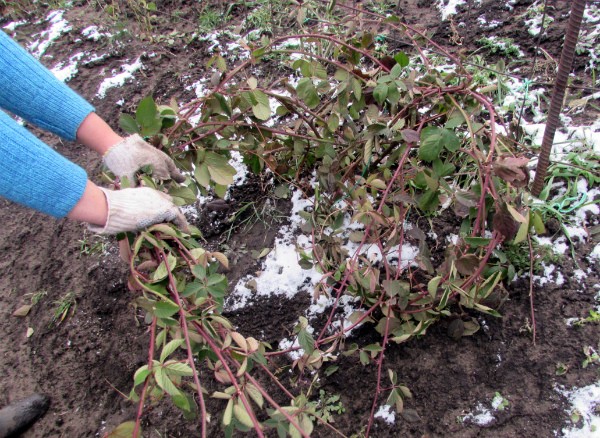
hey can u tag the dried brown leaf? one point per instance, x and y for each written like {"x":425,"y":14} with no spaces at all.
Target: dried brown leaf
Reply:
{"x":512,"y":170}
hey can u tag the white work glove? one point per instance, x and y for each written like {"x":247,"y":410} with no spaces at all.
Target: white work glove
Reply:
{"x":138,"y":208}
{"x":128,"y":156}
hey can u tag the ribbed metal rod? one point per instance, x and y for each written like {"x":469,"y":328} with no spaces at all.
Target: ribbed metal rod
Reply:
{"x":558,"y":94}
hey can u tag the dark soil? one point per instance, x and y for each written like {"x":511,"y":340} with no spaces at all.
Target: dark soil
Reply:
{"x":86,"y":362}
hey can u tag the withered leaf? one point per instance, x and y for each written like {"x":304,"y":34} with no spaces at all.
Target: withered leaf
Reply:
{"x":512,"y":170}
{"x":504,"y":223}
{"x":467,"y":264}
{"x":23,"y":310}
{"x":410,"y":136}
{"x":456,"y":328}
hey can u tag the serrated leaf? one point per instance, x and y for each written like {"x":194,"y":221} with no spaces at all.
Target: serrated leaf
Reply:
{"x":170,"y":347}
{"x":307,"y":92}
{"x":164,"y":382}
{"x":182,"y":402}
{"x":241,"y":415}
{"x":306,"y":341}
{"x":261,"y":109}
{"x":380,"y":93}
{"x":402,"y":59}
{"x":164,"y":309}
{"x":333,"y":122}
{"x":179,"y":369}
{"x":255,"y":394}
{"x":434,"y":140}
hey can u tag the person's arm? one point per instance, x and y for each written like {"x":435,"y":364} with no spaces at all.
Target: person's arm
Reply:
{"x":34,"y":175}
{"x":31,"y":91}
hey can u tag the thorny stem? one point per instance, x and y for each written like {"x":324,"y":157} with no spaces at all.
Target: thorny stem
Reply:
{"x":379,"y":368}
{"x":275,"y":405}
{"x":219,"y":353}
{"x":140,"y":411}
{"x":184,"y":326}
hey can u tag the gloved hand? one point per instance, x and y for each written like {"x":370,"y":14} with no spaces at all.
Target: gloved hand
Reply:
{"x":138,"y":208}
{"x":128,"y":156}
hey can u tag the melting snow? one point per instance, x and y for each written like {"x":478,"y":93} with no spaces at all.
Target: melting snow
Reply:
{"x":386,"y":413}
{"x":584,"y":402}
{"x":120,"y":78}
{"x":58,"y":27}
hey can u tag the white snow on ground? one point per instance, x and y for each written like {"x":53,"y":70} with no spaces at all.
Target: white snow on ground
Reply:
{"x":93,"y":33}
{"x":584,"y":403}
{"x":58,"y":26}
{"x":481,"y":416}
{"x":281,"y":273}
{"x":13,"y":25}
{"x":127,"y":71}
{"x":448,"y":7}
{"x":386,"y":413}
{"x":65,"y":71}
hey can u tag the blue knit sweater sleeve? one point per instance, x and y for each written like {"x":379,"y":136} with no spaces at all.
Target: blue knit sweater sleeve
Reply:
{"x":33,"y":174}
{"x":29,"y":90}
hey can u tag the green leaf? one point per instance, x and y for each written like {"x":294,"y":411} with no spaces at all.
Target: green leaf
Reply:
{"x":202,"y":175}
{"x":228,"y":412}
{"x":151,"y":129}
{"x":242,"y":415}
{"x":124,"y":430}
{"x":170,"y":347}
{"x":160,"y":273}
{"x":147,"y":112}
{"x":306,"y":341}
{"x":261,"y":109}
{"x":140,"y":375}
{"x":182,"y":402}
{"x":523,"y":230}
{"x":432,"y":286}
{"x":333,"y":122}
{"x":223,"y":104}
{"x":477,"y":241}
{"x":402,"y":59}
{"x":307,"y":92}
{"x":429,"y":201}
{"x":255,"y":394}
{"x":186,"y":194}
{"x":434,"y":140}
{"x":443,"y":169}
{"x":219,"y":168}
{"x":128,"y":124}
{"x":164,"y":309}
{"x":179,"y":369}
{"x":356,"y":88}
{"x":164,"y":382}
{"x":380,"y":93}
